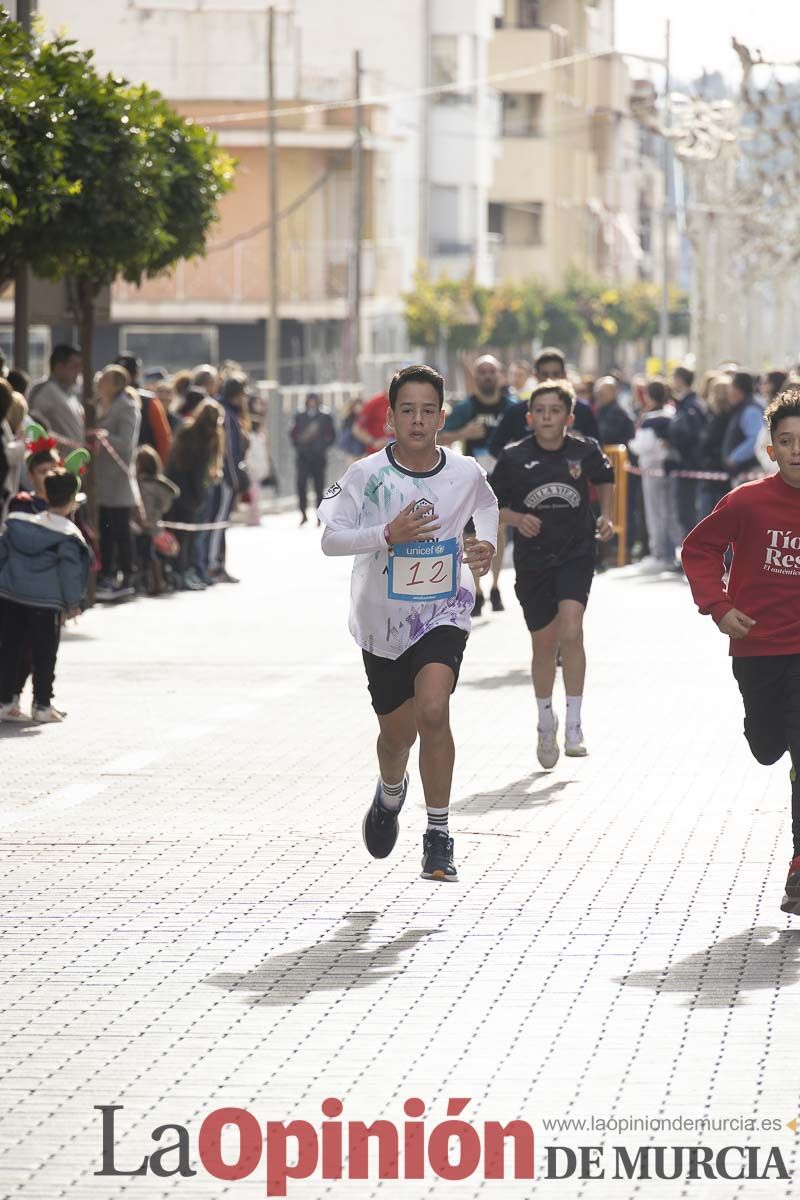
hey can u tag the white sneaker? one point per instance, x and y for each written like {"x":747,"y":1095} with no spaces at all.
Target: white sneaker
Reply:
{"x":547,"y":747}
{"x":43,"y":716}
{"x":574,"y":746}
{"x":12,"y":712}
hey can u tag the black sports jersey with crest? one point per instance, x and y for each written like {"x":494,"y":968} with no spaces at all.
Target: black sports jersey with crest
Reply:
{"x":554,"y":486}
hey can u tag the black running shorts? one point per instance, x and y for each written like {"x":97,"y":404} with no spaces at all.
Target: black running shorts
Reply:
{"x":391,"y":680}
{"x":540,"y":593}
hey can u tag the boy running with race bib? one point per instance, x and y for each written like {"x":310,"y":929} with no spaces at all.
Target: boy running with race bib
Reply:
{"x":542,"y":487}
{"x":401,"y":513}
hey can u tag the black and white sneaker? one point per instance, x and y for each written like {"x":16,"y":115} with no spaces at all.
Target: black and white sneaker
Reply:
{"x":380,"y":827}
{"x":437,"y":857}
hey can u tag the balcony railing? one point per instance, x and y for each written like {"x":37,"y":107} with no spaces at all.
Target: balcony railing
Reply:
{"x":310,"y":273}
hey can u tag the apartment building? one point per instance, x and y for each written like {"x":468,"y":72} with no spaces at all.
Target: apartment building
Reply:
{"x":574,"y":183}
{"x":427,"y":162}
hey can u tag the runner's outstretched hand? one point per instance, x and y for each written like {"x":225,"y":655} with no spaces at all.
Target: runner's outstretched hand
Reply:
{"x":478,"y":555}
{"x":529,"y":526}
{"x":411,"y":526}
{"x":736,"y":624}
{"x":605,"y":529}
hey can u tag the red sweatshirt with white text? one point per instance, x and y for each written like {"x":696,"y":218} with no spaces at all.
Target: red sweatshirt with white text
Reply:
{"x":761,"y":520}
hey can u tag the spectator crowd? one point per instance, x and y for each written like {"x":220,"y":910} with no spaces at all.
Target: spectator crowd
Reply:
{"x":168,"y":468}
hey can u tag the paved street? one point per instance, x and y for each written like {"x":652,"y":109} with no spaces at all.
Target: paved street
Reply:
{"x":192,"y":922}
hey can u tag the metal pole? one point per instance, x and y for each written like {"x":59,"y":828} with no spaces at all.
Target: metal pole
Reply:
{"x":273,"y":322}
{"x":666,"y":214}
{"x":358,"y":226}
{"x":22,"y":281}
{"x":423,"y":243}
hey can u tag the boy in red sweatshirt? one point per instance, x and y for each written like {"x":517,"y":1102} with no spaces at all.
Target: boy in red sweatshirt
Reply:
{"x":760,"y":608}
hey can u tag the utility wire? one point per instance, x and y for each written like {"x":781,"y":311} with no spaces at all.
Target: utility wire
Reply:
{"x":552,"y":64}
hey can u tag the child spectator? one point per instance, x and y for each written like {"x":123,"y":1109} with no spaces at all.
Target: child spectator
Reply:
{"x":42,"y":459}
{"x":118,"y":430}
{"x":158,"y":494}
{"x":195,"y":464}
{"x":44,"y":569}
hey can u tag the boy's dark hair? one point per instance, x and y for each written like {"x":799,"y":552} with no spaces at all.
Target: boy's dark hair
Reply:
{"x":550,"y":354}
{"x":20,"y":380}
{"x":61,"y":487}
{"x":787,"y":404}
{"x":148,"y":462}
{"x":62,"y":353}
{"x":775,"y":379}
{"x":743,"y":382}
{"x":42,"y":456}
{"x":132,"y":365}
{"x":555,"y":387}
{"x":658,"y":391}
{"x":418,"y":373}
{"x":685,"y":375}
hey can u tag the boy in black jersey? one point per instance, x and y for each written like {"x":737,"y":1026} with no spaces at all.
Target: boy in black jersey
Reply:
{"x":542,"y":488}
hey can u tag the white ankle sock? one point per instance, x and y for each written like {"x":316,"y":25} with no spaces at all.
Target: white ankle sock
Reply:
{"x":391,"y":795}
{"x":545,"y":706}
{"x":438,"y":818}
{"x":574,"y":712}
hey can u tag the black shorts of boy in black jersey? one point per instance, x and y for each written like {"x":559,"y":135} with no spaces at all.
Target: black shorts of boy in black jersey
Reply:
{"x":542,"y":488}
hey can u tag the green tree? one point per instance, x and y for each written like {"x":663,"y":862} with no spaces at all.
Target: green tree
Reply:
{"x":562,"y":324}
{"x":511,"y":313}
{"x":35,"y":131}
{"x":149,"y":183}
{"x":441,"y":314}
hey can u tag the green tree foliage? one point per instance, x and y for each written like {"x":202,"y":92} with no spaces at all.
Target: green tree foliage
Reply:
{"x":36,"y":121}
{"x":509,"y":312}
{"x":515,"y":314}
{"x":149,"y":186}
{"x":98,"y":179}
{"x":442,"y":313}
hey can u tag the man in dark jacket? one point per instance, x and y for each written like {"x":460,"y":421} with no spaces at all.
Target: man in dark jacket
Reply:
{"x":744,"y":425}
{"x":615,"y":425}
{"x":550,"y":364}
{"x":312,"y":433}
{"x":686,"y":434}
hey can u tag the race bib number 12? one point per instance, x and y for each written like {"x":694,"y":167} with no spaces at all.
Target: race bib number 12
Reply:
{"x":424,"y":570}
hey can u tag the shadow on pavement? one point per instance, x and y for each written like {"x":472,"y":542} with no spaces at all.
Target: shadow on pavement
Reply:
{"x":517,"y":677}
{"x":334,"y":964}
{"x":514,"y":795}
{"x":762,"y":958}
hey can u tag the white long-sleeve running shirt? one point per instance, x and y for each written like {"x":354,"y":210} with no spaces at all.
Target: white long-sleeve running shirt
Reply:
{"x":398,"y":595}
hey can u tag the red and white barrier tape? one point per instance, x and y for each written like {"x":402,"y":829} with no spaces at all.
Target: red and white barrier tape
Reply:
{"x":715,"y":476}
{"x":660,"y":473}
{"x":200,"y":525}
